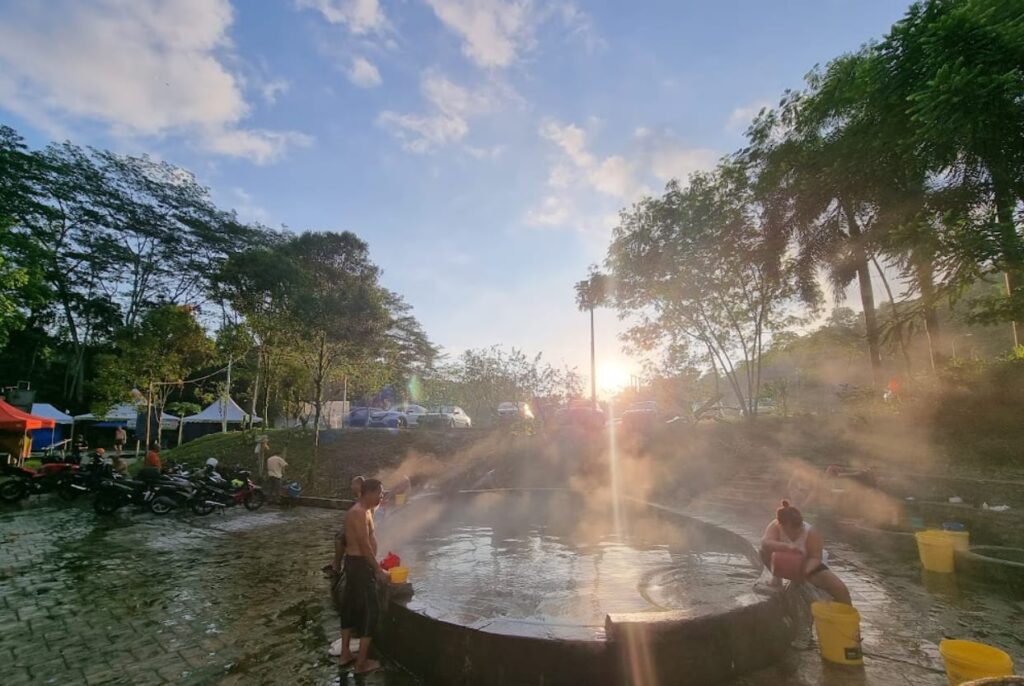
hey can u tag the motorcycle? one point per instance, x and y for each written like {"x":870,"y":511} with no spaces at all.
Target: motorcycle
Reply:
{"x":86,"y":479}
{"x":23,"y":482}
{"x":214,"y":492}
{"x":113,"y":494}
{"x":171,"y":491}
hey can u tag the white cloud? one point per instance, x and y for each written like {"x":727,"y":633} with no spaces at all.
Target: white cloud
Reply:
{"x":667,"y":157}
{"x":364,"y":73}
{"x":359,"y":16}
{"x":571,"y":139}
{"x":495,"y":33}
{"x":271,"y":89}
{"x":447,"y":121}
{"x":741,"y":117}
{"x":259,"y":145}
{"x":615,"y":176}
{"x":601,"y":185}
{"x":145,"y":68}
{"x":491,"y":153}
{"x":247,"y":207}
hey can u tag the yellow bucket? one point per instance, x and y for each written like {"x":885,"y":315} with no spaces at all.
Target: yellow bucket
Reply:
{"x":838,"y":628}
{"x":935,"y":550}
{"x":967,"y":660}
{"x":398,"y":575}
{"x":961,"y":540}
{"x":401,"y":498}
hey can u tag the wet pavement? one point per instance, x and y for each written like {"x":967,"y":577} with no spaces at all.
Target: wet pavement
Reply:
{"x":239,"y":599}
{"x":136,"y":599}
{"x":905,"y":611}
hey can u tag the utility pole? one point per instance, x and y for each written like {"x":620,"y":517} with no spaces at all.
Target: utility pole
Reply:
{"x":224,"y":400}
{"x":593,"y":364}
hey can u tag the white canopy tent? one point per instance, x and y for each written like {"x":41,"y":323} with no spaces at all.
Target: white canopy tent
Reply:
{"x":211,"y":419}
{"x":214,"y":414}
{"x":127,"y":412}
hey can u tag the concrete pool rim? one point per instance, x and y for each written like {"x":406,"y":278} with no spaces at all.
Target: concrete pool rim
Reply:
{"x":708,"y":648}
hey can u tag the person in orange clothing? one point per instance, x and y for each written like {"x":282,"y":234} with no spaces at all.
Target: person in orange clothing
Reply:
{"x":151,"y":464}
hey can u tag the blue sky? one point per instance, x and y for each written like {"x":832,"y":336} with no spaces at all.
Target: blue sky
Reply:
{"x":482,"y":147}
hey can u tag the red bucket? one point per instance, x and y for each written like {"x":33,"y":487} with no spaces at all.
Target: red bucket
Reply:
{"x":788,"y":564}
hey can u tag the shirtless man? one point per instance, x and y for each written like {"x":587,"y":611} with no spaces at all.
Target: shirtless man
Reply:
{"x":359,"y":608}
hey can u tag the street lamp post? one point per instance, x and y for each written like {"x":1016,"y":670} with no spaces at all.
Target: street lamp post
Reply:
{"x":592,"y":293}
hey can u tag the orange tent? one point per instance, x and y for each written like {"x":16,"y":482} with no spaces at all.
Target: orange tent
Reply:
{"x":13,"y":419}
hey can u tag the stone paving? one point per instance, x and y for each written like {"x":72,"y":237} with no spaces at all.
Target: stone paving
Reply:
{"x":137,"y":599}
{"x":239,"y":599}
{"x":905,"y":611}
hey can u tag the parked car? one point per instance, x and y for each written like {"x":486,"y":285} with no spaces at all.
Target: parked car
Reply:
{"x":641,"y":415}
{"x":511,"y":411}
{"x":398,"y":417}
{"x":412,"y":413}
{"x":580,"y":417}
{"x":386,"y":419}
{"x":445,"y":417}
{"x":358,"y":417}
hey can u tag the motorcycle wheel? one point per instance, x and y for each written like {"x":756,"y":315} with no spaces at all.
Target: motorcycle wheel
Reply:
{"x":201,"y":508}
{"x":254,"y":501}
{"x":67,"y":493}
{"x":106,"y":504}
{"x":12,"y":491}
{"x":162,"y":505}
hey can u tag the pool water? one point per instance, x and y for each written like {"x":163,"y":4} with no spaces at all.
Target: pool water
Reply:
{"x":555,"y":564}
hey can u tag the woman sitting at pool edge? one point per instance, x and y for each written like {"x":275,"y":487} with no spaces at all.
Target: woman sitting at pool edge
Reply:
{"x":789,"y":532}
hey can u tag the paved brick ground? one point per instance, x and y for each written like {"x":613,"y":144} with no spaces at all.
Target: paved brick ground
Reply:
{"x":238,"y":599}
{"x":905,"y":611}
{"x":136,"y":599}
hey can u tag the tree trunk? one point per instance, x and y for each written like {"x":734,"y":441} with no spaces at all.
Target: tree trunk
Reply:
{"x":256,"y":389}
{"x":925,"y":271}
{"x":867,"y":298}
{"x":895,"y":315}
{"x":319,"y":388}
{"x":1010,"y":245}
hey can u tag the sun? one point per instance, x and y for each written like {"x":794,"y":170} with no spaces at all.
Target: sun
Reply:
{"x":612,"y":378}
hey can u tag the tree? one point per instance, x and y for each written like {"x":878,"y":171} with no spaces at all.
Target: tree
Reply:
{"x":338,"y":308}
{"x":259,"y":285}
{"x":592,"y":293}
{"x":961,"y":68}
{"x":814,"y":176}
{"x":111,"y":236}
{"x":166,"y":346}
{"x":692,"y":271}
{"x":479,"y":380}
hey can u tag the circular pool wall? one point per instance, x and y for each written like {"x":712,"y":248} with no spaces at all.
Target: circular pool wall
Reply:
{"x":552,"y":587}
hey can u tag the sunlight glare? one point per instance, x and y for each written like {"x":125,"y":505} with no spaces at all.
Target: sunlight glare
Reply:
{"x":612,"y":378}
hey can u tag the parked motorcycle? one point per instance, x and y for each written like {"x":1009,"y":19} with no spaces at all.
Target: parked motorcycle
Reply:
{"x":214,"y":492}
{"x":113,"y":494}
{"x":86,"y":479}
{"x":170,"y":492}
{"x":22,"y":482}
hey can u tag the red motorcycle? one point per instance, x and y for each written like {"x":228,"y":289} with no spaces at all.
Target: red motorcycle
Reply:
{"x":22,"y":482}
{"x":213,"y":492}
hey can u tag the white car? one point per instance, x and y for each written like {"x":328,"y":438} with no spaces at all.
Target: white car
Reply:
{"x":412,"y":413}
{"x":446,"y":417}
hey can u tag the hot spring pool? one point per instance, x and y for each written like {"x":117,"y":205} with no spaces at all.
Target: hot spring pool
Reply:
{"x":553,"y":564}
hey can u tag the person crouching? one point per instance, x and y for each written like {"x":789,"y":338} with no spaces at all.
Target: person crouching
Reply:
{"x":788,"y":533}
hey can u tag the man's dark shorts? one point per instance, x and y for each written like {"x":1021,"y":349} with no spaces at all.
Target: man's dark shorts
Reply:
{"x":360,"y":607}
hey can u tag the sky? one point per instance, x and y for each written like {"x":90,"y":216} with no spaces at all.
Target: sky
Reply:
{"x":483,"y":148}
